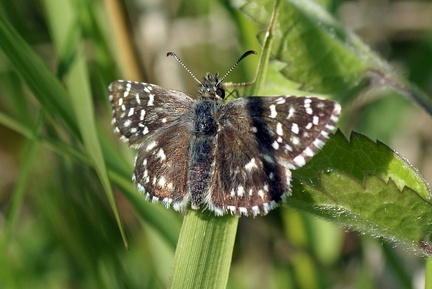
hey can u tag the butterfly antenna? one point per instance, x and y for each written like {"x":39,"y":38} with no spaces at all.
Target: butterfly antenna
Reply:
{"x":184,"y":66}
{"x":244,"y":55}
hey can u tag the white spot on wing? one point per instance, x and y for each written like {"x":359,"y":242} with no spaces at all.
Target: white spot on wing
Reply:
{"x":291,"y":112}
{"x":167,"y":202}
{"x":288,"y":147}
{"x":280,"y":100}
{"x":299,"y":160}
{"x":325,"y":134}
{"x":243,"y":211}
{"x":170,"y":186}
{"x":318,"y":143}
{"x":273,"y":112}
{"x":330,"y":127}
{"x":295,"y":128}
{"x":140,"y":188}
{"x":240,"y":191}
{"x":295,"y":140}
{"x":151,"y":100}
{"x":266,"y":208}
{"x":161,"y":181}
{"x":217,"y":211}
{"x":279,"y":129}
{"x":151,"y":146}
{"x":161,"y":154}
{"x":255,"y":210}
{"x":308,"y":152}
{"x":251,"y":165}
{"x":261,"y":194}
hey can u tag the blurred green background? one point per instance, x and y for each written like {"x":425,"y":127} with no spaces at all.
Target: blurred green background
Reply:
{"x":58,"y":229}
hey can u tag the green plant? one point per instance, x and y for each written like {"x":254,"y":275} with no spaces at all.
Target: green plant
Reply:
{"x":55,"y":122}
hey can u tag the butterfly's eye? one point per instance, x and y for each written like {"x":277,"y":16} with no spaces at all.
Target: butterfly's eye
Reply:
{"x":220,"y":92}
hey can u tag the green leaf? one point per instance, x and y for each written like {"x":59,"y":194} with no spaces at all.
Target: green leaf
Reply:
{"x":367,"y":187}
{"x":319,"y":54}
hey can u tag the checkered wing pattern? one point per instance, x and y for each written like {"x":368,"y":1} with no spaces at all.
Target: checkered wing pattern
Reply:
{"x":141,"y":109}
{"x":261,"y":139}
{"x":231,"y":158}
{"x":159,"y":123}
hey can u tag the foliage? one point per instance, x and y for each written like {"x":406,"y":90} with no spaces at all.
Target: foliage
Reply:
{"x":65,"y":226}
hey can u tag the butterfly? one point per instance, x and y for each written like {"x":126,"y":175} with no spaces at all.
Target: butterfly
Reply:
{"x":233,"y":157}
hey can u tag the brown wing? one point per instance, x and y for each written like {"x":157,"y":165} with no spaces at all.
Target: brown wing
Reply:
{"x":140,"y":109}
{"x":261,"y":139}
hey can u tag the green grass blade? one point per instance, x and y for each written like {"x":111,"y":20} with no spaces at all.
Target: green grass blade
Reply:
{"x":65,"y":30}
{"x":41,"y":81}
{"x":428,"y":274}
{"x":18,"y":194}
{"x":203,"y":255}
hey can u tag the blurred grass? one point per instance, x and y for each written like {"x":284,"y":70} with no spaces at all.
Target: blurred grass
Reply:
{"x":57,"y":226}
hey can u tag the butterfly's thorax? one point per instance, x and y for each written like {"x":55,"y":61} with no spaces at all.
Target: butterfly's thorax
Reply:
{"x":205,"y":118}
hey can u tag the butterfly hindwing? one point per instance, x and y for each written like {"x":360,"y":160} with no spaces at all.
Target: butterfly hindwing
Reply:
{"x":161,"y":165}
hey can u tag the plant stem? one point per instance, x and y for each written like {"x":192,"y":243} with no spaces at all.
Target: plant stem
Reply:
{"x":204,"y":250}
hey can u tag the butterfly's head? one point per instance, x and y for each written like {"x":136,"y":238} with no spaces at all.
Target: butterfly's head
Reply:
{"x":211,"y":87}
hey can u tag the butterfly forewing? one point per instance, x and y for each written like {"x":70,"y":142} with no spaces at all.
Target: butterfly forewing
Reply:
{"x":140,"y":109}
{"x":297,"y":127}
